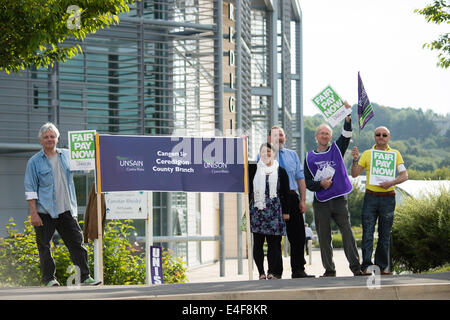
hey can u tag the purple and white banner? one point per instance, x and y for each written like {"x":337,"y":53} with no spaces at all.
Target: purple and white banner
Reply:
{"x":365,"y":110}
{"x":156,"y":265}
{"x":144,"y":163}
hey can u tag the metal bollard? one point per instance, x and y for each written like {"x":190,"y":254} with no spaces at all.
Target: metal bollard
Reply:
{"x":310,"y":251}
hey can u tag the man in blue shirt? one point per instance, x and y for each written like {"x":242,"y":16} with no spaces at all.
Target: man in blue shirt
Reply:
{"x":50,"y":193}
{"x":295,"y":226}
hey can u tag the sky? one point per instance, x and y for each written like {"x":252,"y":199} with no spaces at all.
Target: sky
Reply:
{"x":382,"y":40}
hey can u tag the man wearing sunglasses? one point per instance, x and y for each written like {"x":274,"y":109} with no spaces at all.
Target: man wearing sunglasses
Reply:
{"x":379,"y":200}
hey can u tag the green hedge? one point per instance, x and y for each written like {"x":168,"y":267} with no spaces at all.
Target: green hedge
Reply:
{"x":337,"y":238}
{"x":123,"y":264}
{"x":421,"y":233}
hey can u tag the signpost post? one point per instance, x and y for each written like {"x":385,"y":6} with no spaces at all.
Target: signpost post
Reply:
{"x":98,"y":243}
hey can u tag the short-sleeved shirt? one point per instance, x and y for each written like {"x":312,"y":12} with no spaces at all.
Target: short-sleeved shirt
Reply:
{"x":288,"y":159}
{"x":364,"y":162}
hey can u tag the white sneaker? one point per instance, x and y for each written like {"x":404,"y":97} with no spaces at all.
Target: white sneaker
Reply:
{"x":90,"y":282}
{"x":52,"y":283}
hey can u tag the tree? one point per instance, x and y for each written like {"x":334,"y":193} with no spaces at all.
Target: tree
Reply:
{"x":32,"y":32}
{"x":355,"y":203}
{"x":310,"y":126}
{"x":438,"y":12}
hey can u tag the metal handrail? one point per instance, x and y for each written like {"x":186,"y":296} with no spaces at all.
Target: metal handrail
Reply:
{"x":181,"y":238}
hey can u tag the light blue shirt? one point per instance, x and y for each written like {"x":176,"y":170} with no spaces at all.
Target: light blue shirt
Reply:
{"x":288,"y":159}
{"x":39,"y":183}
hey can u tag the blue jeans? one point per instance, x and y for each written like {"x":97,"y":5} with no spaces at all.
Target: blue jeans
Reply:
{"x":381,"y":208}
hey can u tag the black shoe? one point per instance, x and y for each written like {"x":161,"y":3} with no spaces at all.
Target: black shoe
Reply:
{"x":360,"y":273}
{"x":301,"y":274}
{"x":366,"y":273}
{"x":329,"y":274}
{"x":386,"y":273}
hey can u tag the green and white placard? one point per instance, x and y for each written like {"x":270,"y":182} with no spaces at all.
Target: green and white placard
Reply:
{"x":382,"y":166}
{"x":331,"y":106}
{"x":82,"y":150}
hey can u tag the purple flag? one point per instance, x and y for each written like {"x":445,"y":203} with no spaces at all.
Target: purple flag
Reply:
{"x":365,"y":110}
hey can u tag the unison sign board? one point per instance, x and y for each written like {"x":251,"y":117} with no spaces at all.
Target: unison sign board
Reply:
{"x":140,"y":163}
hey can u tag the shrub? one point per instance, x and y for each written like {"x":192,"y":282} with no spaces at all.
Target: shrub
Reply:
{"x":421,"y":233}
{"x":174,"y":270}
{"x":122,"y":263}
{"x":337,"y":238}
{"x":444,"y":268}
{"x":357,"y":233}
{"x":19,"y":257}
{"x":355,"y":201}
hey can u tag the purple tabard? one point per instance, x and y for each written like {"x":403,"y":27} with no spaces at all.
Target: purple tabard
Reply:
{"x":341,"y":183}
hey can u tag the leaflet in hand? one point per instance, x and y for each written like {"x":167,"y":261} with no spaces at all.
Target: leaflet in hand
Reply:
{"x":325,"y":172}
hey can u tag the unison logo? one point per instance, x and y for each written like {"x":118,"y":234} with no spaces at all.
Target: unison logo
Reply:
{"x":130,"y":164}
{"x":215,"y":165}
{"x":324,"y":164}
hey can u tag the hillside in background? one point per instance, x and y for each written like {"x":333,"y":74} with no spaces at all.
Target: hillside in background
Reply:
{"x":423,"y":139}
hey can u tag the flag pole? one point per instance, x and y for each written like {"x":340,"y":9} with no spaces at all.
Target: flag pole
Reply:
{"x":357,"y":114}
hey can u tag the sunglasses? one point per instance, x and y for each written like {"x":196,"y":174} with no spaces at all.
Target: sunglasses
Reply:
{"x":379,"y":134}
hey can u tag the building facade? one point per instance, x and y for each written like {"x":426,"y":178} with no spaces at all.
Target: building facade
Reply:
{"x":174,"y":67}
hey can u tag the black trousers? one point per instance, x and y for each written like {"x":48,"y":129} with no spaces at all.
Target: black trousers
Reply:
{"x":70,"y":232}
{"x":295,"y":229}
{"x":274,"y":259}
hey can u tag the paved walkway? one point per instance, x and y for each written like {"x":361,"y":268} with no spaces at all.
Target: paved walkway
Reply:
{"x":420,"y":286}
{"x":205,"y":283}
{"x":211,"y":273}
